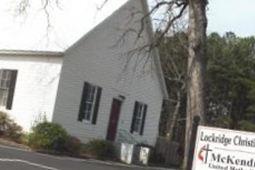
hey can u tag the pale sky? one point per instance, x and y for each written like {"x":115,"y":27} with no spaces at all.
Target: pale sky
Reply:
{"x":77,"y":17}
{"x":237,"y":16}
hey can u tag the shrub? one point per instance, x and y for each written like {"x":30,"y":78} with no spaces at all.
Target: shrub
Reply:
{"x":246,"y":126}
{"x":24,"y":138}
{"x":10,"y":129}
{"x":73,"y":145}
{"x":14,"y":132}
{"x":48,"y":136}
{"x":100,"y":149}
{"x":4,"y":123}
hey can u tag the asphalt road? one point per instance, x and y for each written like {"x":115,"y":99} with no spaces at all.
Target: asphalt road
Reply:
{"x":15,"y":159}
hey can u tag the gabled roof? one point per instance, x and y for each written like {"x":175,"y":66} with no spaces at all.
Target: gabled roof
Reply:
{"x":31,"y":53}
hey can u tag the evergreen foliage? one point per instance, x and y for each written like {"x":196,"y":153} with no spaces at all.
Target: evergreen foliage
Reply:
{"x":230,"y":81}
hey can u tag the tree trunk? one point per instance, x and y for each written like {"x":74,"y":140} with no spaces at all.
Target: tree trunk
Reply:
{"x":196,"y":69}
{"x":173,"y":119}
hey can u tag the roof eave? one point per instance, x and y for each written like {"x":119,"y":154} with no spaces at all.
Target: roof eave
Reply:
{"x":31,"y":53}
{"x":157,"y":58}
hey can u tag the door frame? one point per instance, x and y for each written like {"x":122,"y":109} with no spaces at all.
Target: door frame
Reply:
{"x":110,"y":117}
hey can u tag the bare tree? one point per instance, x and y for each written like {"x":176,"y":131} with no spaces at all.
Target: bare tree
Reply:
{"x":46,"y":7}
{"x":173,"y":54}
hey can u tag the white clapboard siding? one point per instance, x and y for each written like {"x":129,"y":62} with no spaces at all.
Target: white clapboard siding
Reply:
{"x":97,"y":59}
{"x":36,"y":85}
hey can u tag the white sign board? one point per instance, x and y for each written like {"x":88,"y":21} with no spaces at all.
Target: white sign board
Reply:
{"x":221,"y":149}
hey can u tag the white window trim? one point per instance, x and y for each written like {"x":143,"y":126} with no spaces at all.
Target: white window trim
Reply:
{"x":93,"y":106}
{"x":7,"y":78}
{"x":141,"y":109}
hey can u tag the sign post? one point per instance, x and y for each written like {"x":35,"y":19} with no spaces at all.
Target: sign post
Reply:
{"x":195,"y":124}
{"x":222,"y":149}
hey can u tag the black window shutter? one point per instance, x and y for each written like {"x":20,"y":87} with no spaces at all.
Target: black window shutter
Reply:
{"x":83,"y":98}
{"x":143,"y":120}
{"x":98,"y":96}
{"x":134,"y":117}
{"x":13,"y":79}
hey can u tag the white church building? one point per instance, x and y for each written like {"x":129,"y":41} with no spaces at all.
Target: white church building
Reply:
{"x":105,"y":86}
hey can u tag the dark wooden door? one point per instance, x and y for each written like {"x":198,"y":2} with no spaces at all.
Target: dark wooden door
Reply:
{"x":114,"y":119}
